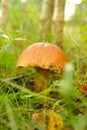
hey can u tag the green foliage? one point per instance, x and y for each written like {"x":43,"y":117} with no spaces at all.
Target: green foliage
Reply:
{"x":80,"y":18}
{"x":7,"y":56}
{"x":18,"y":101}
{"x":23,"y":18}
{"x":83,"y":29}
{"x":70,"y":94}
{"x":69,"y":101}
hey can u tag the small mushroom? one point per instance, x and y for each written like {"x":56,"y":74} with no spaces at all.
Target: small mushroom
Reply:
{"x":44,"y":57}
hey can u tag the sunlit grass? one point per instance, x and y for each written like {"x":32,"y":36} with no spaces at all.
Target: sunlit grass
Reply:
{"x":18,"y":102}
{"x":17,"y":99}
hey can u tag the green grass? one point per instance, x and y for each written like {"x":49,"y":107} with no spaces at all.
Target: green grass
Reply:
{"x":18,"y":101}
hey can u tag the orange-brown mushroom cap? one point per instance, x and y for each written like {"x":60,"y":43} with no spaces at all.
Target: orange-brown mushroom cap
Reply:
{"x":43,"y":55}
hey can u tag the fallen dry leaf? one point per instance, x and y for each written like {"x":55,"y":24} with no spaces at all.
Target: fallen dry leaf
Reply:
{"x":55,"y":121}
{"x":48,"y":120}
{"x":82,"y":88}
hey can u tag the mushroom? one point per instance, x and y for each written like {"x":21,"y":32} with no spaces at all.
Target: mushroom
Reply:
{"x":44,"y":57}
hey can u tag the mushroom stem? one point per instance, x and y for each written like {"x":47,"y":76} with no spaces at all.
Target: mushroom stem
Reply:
{"x":41,"y":81}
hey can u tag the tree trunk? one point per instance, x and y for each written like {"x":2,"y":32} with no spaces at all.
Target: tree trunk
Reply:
{"x":58,"y":21}
{"x":4,"y":13}
{"x":46,"y":15}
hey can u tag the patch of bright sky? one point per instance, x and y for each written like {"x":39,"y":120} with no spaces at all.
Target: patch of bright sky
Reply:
{"x":23,"y":1}
{"x":70,"y":7}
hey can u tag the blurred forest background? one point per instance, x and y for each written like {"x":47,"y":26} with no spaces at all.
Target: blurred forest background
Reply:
{"x":24,"y":22}
{"x":20,"y":26}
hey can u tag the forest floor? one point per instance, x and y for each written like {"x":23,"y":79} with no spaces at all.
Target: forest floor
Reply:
{"x":66,"y":96}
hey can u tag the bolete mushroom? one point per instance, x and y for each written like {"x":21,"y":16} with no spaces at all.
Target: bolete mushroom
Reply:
{"x":44,"y":57}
